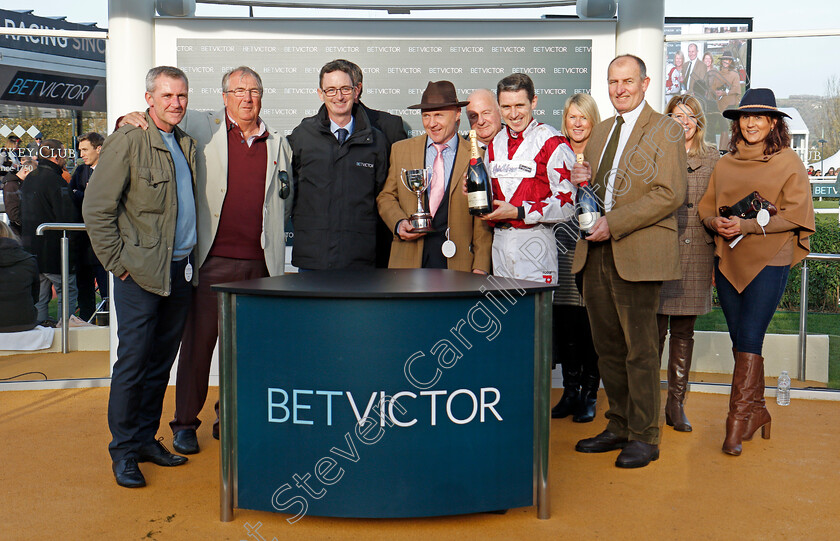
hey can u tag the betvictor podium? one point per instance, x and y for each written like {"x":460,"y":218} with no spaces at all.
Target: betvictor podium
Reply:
{"x":386,"y":393}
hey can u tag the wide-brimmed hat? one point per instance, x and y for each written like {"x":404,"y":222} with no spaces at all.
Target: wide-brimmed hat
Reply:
{"x":439,"y":94}
{"x":727,"y":54}
{"x":756,"y":100}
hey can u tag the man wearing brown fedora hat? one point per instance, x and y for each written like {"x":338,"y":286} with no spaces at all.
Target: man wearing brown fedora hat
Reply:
{"x":458,"y":240}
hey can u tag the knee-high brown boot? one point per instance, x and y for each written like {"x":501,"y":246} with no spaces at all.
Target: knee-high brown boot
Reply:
{"x":759,"y":416}
{"x":745,"y":382}
{"x":679,"y":365}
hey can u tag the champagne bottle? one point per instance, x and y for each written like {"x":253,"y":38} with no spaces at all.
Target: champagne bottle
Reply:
{"x":479,"y":190}
{"x":587,"y":208}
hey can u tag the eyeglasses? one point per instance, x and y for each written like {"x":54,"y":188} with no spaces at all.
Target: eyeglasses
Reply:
{"x":345,"y":90}
{"x":240,"y":92}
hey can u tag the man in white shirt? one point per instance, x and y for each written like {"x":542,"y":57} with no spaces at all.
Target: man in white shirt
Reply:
{"x":640,"y":161}
{"x":694,"y":71}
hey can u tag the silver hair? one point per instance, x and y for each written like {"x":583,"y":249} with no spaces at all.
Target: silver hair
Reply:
{"x":244,"y":70}
{"x":166,"y":71}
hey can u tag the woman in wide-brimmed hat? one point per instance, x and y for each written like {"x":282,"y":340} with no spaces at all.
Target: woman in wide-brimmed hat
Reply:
{"x":755,"y":246}
{"x":728,"y":87}
{"x":727,"y":91}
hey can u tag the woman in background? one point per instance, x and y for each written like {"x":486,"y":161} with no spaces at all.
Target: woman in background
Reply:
{"x":674,"y":85}
{"x":728,"y":89}
{"x":712,"y":78}
{"x":681,"y":301}
{"x":727,"y":93}
{"x":751,"y":276}
{"x":573,"y":348}
{"x":19,"y":284}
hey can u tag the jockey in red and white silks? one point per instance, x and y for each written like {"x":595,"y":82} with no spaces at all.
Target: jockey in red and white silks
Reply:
{"x":531,"y":170}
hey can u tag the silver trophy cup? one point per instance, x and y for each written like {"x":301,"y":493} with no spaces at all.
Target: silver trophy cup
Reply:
{"x":417,"y":180}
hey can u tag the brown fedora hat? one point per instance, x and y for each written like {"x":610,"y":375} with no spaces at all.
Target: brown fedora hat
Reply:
{"x":439,"y":94}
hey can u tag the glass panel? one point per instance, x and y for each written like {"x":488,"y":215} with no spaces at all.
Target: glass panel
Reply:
{"x":714,"y":72}
{"x":89,"y":346}
{"x":814,"y":106}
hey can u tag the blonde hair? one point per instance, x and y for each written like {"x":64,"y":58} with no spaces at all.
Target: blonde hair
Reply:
{"x":699,"y":148}
{"x":6,"y":232}
{"x":587,"y":106}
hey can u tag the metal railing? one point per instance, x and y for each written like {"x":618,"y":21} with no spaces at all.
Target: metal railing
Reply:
{"x":65,"y":274}
{"x":803,"y":306}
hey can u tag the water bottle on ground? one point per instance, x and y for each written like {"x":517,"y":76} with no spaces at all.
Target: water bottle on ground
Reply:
{"x":783,"y":389}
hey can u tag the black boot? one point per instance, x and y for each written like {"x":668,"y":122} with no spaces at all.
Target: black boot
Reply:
{"x":571,"y":392}
{"x":585,"y":410}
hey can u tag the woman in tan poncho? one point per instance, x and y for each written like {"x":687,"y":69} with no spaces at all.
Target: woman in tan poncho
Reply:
{"x":751,"y":275}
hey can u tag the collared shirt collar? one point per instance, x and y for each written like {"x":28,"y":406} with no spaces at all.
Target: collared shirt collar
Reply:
{"x":452,"y":143}
{"x":262,"y":133}
{"x":630,"y":117}
{"x":349,"y":127}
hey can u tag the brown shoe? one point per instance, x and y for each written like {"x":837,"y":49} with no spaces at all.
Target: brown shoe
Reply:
{"x":604,"y":442}
{"x":637,"y":454}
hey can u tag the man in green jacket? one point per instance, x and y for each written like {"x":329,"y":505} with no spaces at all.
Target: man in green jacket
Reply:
{"x":141,"y":217}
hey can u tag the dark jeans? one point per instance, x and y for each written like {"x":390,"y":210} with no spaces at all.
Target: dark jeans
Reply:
{"x":150,"y":328}
{"x":748,"y":313}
